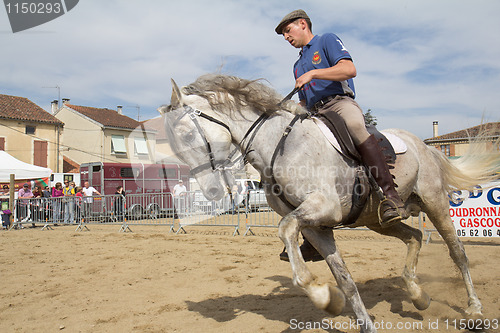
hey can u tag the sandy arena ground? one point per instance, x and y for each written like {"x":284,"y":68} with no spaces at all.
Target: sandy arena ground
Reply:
{"x":209,"y":281}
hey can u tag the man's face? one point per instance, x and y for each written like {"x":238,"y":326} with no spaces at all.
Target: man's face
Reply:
{"x":294,"y":33}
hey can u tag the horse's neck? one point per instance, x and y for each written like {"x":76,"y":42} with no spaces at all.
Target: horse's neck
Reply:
{"x":265,"y":141}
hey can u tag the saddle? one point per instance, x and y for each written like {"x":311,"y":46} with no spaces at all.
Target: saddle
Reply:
{"x":335,"y":130}
{"x":342,"y":141}
{"x":336,"y":125}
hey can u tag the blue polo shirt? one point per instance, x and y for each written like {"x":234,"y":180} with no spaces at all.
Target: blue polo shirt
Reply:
{"x":322,"y":52}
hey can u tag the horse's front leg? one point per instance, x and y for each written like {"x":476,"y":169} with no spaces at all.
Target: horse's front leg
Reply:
{"x":323,"y":296}
{"x":323,"y":241}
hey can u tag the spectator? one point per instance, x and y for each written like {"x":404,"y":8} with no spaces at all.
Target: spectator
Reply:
{"x":57,"y":194}
{"x":5,"y":219}
{"x":46,"y":192}
{"x":4,"y":201}
{"x":46,"y":203}
{"x":36,"y":205}
{"x":78,"y":204}
{"x":37,"y":192}
{"x":245,"y":193}
{"x":22,"y":206}
{"x":69,"y":202}
{"x":88,"y":191}
{"x":119,"y":202}
{"x":179,"y":198}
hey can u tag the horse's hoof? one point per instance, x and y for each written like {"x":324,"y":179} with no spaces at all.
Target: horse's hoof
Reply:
{"x":473,"y":313}
{"x":422,"y":302}
{"x":337,"y":301}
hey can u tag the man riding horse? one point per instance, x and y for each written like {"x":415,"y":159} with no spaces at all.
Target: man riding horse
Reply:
{"x":324,"y":73}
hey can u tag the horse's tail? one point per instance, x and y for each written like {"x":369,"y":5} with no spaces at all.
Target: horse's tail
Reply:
{"x":479,"y":165}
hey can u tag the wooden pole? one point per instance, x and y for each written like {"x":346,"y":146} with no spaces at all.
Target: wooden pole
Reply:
{"x":11,"y":195}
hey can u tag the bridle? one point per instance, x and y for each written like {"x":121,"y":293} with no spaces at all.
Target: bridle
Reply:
{"x":228,"y":163}
{"x":219,"y":165}
{"x":195,"y":113}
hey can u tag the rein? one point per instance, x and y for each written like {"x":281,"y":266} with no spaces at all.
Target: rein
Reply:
{"x":276,"y":188}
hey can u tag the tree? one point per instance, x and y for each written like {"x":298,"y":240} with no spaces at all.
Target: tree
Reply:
{"x":369,"y":118}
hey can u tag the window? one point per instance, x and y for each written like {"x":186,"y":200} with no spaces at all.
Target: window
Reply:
{"x":140,"y":146}
{"x":2,"y":143}
{"x":445,"y":149}
{"x":30,"y":130}
{"x":40,"y":153}
{"x":118,"y":144}
{"x":168,"y":173}
{"x":129,"y":172}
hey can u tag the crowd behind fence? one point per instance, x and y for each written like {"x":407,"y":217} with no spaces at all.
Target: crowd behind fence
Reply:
{"x":178,"y":213}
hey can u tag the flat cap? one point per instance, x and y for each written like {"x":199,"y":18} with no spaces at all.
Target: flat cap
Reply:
{"x":296,"y":14}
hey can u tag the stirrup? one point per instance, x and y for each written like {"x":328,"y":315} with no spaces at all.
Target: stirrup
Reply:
{"x":390,"y":221}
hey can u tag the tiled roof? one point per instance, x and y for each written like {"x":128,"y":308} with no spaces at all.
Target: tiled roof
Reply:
{"x":106,"y":117}
{"x":491,"y":129}
{"x":21,"y":108}
{"x":70,"y":166}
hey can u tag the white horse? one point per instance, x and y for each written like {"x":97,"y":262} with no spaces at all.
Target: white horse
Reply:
{"x":315,"y":182}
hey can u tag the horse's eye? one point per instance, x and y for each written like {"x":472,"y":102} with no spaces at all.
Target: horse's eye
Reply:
{"x":189,"y":137}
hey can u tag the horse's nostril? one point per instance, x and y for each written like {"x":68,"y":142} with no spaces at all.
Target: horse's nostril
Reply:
{"x":212,"y":193}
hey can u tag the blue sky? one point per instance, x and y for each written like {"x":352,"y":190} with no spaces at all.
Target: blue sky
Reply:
{"x":417,"y":61}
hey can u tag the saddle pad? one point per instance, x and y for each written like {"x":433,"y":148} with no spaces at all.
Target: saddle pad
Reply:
{"x":398,"y":144}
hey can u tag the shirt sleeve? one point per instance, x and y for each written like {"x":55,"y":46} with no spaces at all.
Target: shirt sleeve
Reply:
{"x":334,"y":49}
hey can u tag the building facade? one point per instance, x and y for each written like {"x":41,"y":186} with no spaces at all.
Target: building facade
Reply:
{"x":104,"y":135}
{"x":29,"y":133}
{"x":457,"y":143}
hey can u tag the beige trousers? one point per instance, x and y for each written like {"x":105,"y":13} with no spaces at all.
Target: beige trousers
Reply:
{"x":350,"y":111}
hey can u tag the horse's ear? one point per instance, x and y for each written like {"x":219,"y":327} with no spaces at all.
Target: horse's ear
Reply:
{"x":163,"y":109}
{"x":176,"y":99}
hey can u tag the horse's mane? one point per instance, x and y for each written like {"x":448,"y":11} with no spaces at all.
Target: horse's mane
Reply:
{"x":233,"y":93}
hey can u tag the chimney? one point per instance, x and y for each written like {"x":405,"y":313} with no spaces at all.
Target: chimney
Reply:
{"x":54,"y":104}
{"x":435,"y":129}
{"x":119,"y":109}
{"x":65,"y":101}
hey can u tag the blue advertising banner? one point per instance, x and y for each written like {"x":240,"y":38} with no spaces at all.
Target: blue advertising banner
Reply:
{"x":477,"y":213}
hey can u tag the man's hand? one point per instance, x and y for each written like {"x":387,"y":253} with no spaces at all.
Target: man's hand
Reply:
{"x":304,"y":79}
{"x":343,"y":70}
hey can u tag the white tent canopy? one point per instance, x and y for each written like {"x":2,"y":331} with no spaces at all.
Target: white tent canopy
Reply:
{"x":10,"y":165}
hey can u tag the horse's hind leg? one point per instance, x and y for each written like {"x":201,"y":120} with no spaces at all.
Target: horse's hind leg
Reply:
{"x":413,"y":239}
{"x":323,"y":241}
{"x":444,"y":225}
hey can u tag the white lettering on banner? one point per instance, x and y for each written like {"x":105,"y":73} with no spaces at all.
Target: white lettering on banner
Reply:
{"x":477,"y":213}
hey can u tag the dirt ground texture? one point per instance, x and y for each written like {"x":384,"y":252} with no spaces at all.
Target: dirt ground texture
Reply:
{"x":150,"y":280}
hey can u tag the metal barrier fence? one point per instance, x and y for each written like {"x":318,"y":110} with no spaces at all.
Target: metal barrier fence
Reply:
{"x":188,"y":210}
{"x":140,"y":209}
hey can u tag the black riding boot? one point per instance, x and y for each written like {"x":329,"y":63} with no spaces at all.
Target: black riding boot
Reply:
{"x":374,"y":159}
